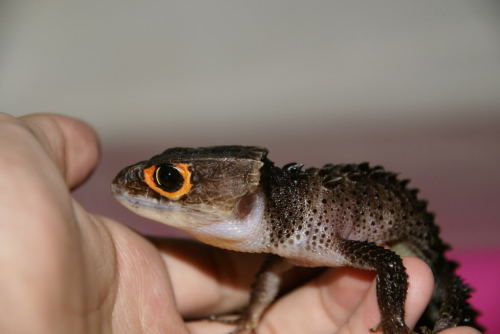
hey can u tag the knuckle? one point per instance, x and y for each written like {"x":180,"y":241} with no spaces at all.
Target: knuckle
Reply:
{"x":12,"y":127}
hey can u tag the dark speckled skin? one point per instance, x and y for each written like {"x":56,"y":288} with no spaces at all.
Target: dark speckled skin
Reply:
{"x":353,"y":202}
{"x":345,"y":212}
{"x":357,"y":208}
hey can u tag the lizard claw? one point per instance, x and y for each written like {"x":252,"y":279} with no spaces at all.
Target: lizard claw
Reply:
{"x":245,"y":329}
{"x":243,"y":325}
{"x":229,"y":319}
{"x":378,"y":329}
{"x":425,"y":330}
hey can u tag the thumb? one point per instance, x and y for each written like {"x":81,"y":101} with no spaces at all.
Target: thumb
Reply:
{"x":70,"y":143}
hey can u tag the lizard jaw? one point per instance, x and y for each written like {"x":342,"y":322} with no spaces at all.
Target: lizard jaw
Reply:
{"x":242,"y":231}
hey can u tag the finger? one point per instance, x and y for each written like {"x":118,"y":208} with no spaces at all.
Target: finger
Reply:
{"x":39,"y":242}
{"x":347,"y":303}
{"x":460,"y":330}
{"x":207,"y":280}
{"x":206,"y":327}
{"x":325,"y":303}
{"x":70,"y":143}
{"x":420,"y":288}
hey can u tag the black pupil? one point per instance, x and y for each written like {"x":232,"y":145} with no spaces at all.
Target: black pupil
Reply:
{"x":169,"y":178}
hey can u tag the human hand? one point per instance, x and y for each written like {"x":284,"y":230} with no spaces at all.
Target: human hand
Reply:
{"x":65,"y":270}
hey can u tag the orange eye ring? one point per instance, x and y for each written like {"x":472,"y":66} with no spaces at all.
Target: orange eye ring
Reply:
{"x":154,"y":177}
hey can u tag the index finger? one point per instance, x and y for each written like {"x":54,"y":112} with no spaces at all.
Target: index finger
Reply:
{"x":208,"y":280}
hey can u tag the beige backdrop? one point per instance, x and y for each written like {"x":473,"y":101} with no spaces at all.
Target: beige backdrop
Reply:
{"x":411,"y":85}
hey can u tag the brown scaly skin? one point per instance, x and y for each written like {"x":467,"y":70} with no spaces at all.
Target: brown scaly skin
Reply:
{"x":337,"y":215}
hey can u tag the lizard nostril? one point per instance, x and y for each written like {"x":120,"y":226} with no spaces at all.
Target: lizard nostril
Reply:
{"x":128,"y":177}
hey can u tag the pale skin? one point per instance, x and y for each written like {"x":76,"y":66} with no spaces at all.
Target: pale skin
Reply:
{"x":65,"y":270}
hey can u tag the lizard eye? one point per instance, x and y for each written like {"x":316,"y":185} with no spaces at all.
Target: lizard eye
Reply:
{"x":169,"y":180}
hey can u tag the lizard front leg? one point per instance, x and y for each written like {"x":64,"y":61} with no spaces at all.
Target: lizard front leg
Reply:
{"x":392,"y":280}
{"x":263,"y":292}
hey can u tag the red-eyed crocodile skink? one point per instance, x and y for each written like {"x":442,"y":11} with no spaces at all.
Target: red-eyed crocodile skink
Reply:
{"x":355,"y":215}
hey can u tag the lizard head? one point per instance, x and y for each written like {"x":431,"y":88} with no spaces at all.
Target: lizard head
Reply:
{"x":213,"y":193}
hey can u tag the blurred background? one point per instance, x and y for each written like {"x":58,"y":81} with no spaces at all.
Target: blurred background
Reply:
{"x":414,"y":86}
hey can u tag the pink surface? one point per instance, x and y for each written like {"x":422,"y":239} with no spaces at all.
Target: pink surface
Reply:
{"x":481,"y":269}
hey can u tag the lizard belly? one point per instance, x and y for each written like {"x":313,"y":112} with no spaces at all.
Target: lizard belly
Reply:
{"x":307,"y":253}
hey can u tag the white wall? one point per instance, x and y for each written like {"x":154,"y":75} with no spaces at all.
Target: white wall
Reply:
{"x":202,"y":67}
{"x":412,"y":85}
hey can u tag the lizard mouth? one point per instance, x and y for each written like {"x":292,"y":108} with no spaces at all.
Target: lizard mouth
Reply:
{"x":144,"y":205}
{"x":147,"y":204}
{"x":137,"y":201}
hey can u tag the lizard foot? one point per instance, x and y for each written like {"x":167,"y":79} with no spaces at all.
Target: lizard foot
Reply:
{"x":243,"y":329}
{"x":425,"y":330}
{"x":232,"y":318}
{"x":243,"y":325}
{"x":378,"y":329}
